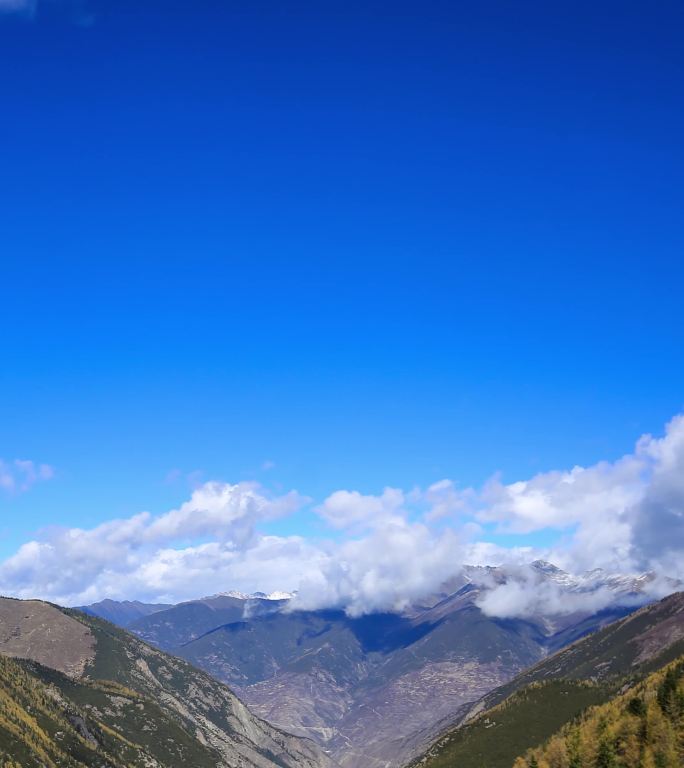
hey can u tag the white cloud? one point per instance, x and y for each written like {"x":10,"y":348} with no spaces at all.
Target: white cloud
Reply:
{"x":21,"y":475}
{"x":388,"y":550}
{"x":526,"y":592}
{"x":657,"y":519}
{"x":350,"y":510}
{"x":387,"y":570}
{"x":562,"y":499}
{"x":221,"y":511}
{"x":628,"y":514}
{"x":137,"y":556}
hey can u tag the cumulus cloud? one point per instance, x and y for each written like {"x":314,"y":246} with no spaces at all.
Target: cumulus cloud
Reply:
{"x":212,"y":542}
{"x":657,"y":519}
{"x":561,"y":499}
{"x":351,"y":510}
{"x":388,"y":570}
{"x":21,"y":475}
{"x":386,"y":551}
{"x":150,"y":556}
{"x":221,"y":511}
{"x":626,"y":514}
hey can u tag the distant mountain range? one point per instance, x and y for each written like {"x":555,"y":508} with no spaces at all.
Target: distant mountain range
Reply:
{"x":443,"y":685}
{"x":375,"y":690}
{"x":125,"y":612}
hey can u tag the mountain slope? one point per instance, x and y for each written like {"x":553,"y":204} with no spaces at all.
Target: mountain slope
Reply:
{"x":643,"y":726}
{"x":49,"y":719}
{"x":372,"y":690}
{"x":529,"y":709}
{"x":159,"y":710}
{"x":177,"y":625}
{"x":123,"y":613}
{"x":375,"y":691}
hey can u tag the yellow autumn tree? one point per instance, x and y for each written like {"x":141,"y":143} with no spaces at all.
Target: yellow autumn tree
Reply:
{"x":641,"y":728}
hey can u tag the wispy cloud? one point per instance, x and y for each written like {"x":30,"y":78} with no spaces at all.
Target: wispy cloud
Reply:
{"x":20,"y":475}
{"x":75,"y":11}
{"x":18,"y":6}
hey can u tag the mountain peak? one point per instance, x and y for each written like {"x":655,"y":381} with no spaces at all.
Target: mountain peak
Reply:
{"x":275,"y":595}
{"x":545,"y":566}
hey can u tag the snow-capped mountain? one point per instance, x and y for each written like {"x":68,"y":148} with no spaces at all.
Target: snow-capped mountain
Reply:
{"x":541,"y":571}
{"x":276,"y":595}
{"x":597,"y":578}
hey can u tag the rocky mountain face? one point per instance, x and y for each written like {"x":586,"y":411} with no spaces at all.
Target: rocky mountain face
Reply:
{"x":608,"y":665}
{"x":77,"y":691}
{"x":173,"y":628}
{"x":373,"y":691}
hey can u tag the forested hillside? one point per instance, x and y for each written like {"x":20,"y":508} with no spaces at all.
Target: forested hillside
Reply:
{"x":641,"y":728}
{"x":77,"y":691}
{"x":39,"y":727}
{"x":524,"y":713}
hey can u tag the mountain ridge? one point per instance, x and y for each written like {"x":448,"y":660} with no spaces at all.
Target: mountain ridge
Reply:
{"x":117,"y":684}
{"x":552,"y":692}
{"x":378,"y":703}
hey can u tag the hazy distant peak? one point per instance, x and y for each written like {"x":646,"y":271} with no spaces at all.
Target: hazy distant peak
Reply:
{"x":275,"y":595}
{"x":546,"y":567}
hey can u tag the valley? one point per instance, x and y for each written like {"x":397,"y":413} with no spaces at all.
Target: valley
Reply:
{"x":439,"y":686}
{"x":374,"y":691}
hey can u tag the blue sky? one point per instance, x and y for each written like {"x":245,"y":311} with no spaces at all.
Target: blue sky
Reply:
{"x":368,"y":244}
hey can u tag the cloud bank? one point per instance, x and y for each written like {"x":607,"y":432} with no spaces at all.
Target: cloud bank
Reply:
{"x":386,"y":551}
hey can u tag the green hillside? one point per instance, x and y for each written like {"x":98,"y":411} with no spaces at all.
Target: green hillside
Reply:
{"x":48,"y":720}
{"x":78,"y":691}
{"x":533,"y":706}
{"x":641,"y":728}
{"x":527,"y":717}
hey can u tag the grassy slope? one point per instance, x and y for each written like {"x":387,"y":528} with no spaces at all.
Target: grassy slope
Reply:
{"x":134,"y":707}
{"x":194,"y":699}
{"x":524,"y":719}
{"x":538,"y":702}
